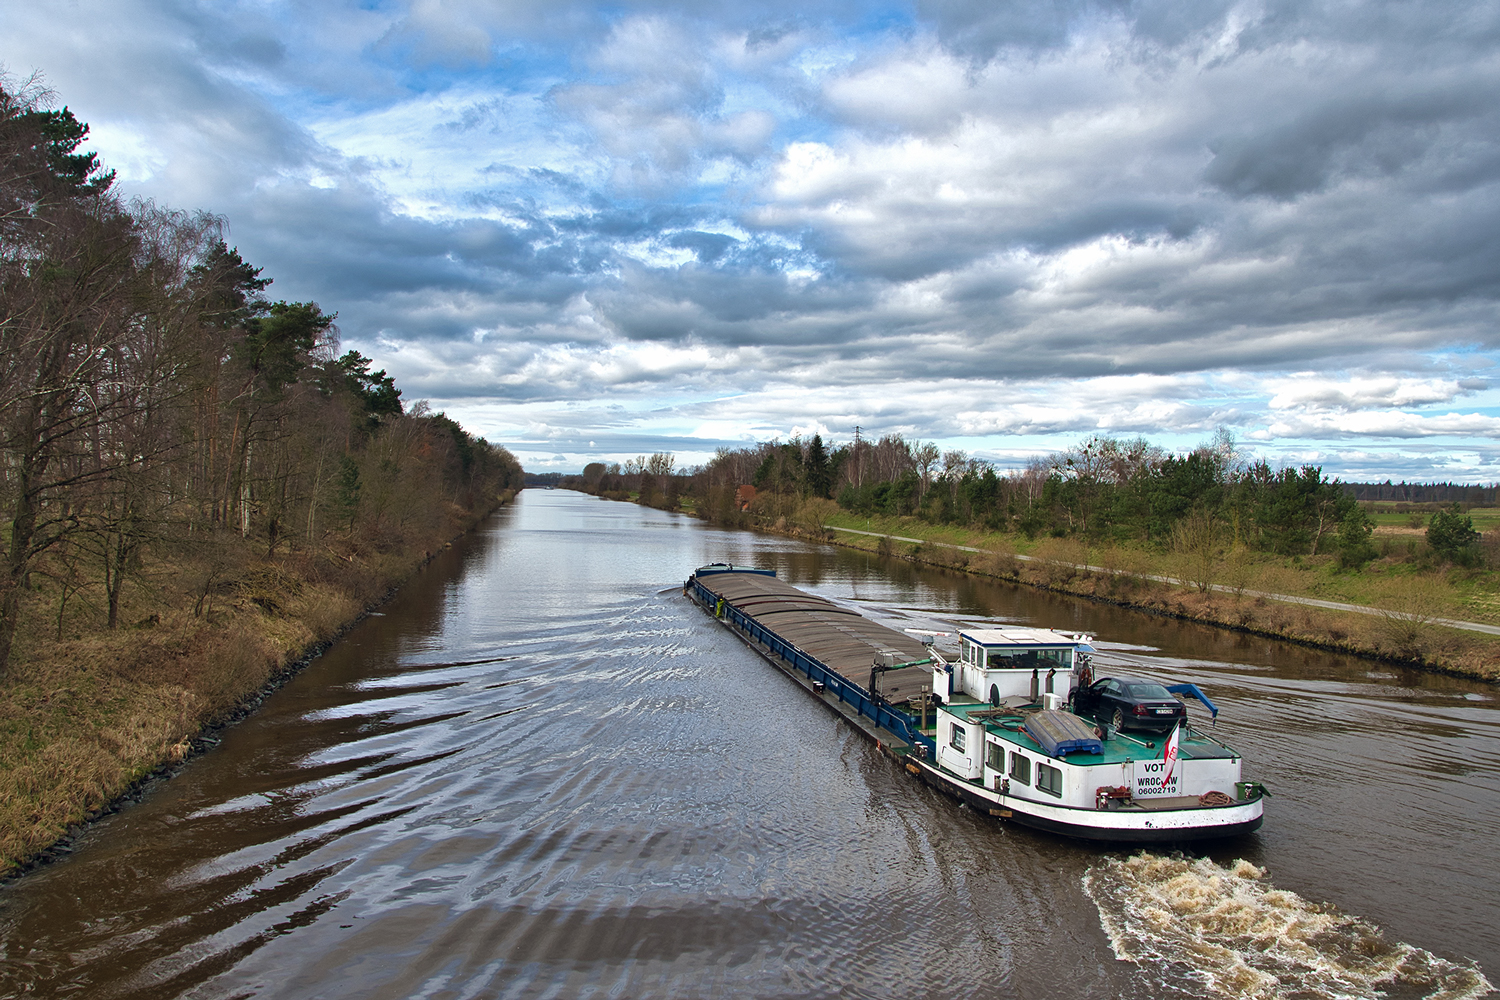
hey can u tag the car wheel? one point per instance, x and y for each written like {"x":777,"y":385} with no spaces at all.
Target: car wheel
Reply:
{"x":1118,"y":720}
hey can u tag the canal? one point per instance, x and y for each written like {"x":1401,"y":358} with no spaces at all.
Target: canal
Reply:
{"x":540,"y":772}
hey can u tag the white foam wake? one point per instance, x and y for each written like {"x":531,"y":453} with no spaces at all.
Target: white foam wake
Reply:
{"x":1197,"y":924}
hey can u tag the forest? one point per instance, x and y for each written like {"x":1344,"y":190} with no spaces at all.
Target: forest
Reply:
{"x":197,"y":486}
{"x":1104,"y":491}
{"x":154,"y":398}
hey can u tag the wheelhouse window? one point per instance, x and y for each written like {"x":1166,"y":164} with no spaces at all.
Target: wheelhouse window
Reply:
{"x":1028,"y":659}
{"x":1049,"y":780}
{"x":959,"y":738}
{"x":1020,"y":768}
{"x":997,"y":757}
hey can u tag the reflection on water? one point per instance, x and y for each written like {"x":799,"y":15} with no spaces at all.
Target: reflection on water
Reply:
{"x":541,"y":772}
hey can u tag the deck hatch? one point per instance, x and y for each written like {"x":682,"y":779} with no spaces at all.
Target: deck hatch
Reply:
{"x":1060,"y":733}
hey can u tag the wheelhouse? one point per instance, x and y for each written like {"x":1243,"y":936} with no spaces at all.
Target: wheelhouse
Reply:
{"x":997,"y":664}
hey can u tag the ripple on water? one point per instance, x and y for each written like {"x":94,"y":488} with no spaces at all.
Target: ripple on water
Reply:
{"x":543,"y":774}
{"x":1232,"y":932}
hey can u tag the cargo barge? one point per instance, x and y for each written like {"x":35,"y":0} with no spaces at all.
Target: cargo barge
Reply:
{"x":993,"y":726}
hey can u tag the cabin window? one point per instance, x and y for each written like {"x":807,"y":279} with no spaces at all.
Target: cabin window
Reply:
{"x":1049,"y":780}
{"x":1020,"y":768}
{"x":1028,"y":659}
{"x":959,"y":738}
{"x":997,"y":757}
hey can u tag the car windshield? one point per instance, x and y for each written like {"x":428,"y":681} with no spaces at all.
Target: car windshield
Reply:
{"x":1148,"y":692}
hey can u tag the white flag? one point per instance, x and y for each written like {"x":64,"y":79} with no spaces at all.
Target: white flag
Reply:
{"x":1169,"y":754}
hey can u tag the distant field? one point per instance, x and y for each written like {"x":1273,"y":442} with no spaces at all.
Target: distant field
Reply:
{"x":1485,"y":518}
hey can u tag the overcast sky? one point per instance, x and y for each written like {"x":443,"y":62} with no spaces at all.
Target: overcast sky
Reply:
{"x":593,"y":231}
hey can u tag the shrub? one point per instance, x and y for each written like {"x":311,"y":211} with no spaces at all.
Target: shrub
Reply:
{"x":1003,"y":564}
{"x":1451,"y":535}
{"x":1195,"y":539}
{"x":1354,"y":540}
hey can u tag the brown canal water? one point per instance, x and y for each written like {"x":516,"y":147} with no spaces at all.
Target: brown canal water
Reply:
{"x":541,"y":772}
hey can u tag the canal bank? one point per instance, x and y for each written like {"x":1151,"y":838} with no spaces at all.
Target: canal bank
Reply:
{"x":93,"y":723}
{"x":1416,"y":637}
{"x":1414,"y":633}
{"x":1415,"y":630}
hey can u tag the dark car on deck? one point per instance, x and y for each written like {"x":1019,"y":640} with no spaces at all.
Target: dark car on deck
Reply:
{"x":1129,"y":703}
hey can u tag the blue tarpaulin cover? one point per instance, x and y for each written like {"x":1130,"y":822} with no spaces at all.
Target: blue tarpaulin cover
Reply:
{"x":1060,"y":733}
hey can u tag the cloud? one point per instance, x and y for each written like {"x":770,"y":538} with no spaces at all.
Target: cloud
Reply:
{"x":658,"y":107}
{"x":1386,"y":425}
{"x":1314,"y":392}
{"x":996,"y":225}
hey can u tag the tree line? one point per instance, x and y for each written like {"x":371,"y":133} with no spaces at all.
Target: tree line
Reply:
{"x":152,"y":395}
{"x":1426,"y":493}
{"x":1105,"y":490}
